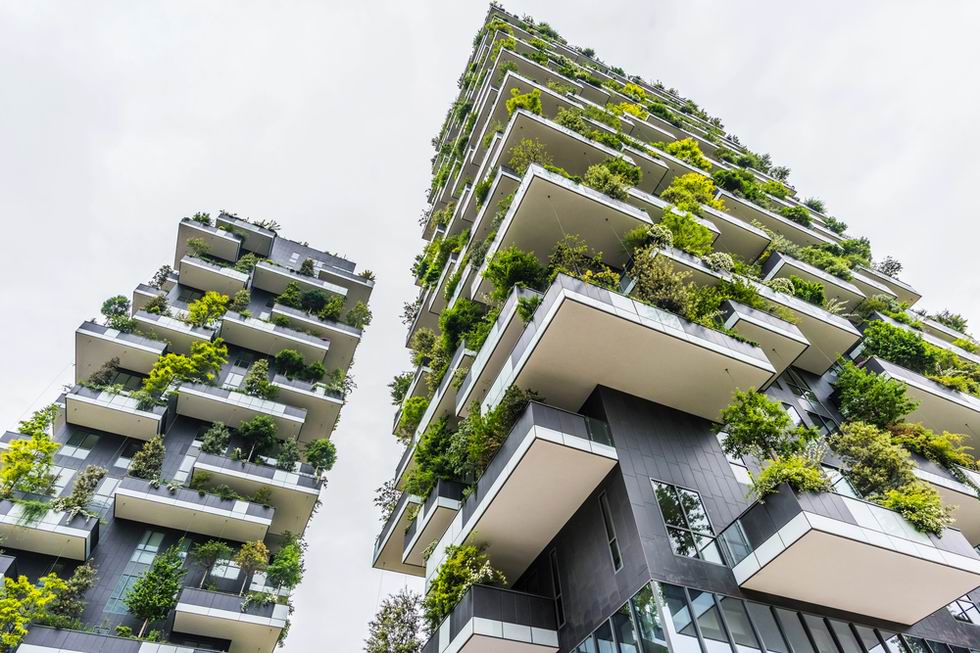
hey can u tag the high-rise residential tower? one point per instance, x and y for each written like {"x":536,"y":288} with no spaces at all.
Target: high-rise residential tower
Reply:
{"x":186,"y":460}
{"x":662,"y":402}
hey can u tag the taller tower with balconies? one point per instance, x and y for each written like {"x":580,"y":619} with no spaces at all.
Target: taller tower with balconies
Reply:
{"x":661,"y":402}
{"x":171,"y":485}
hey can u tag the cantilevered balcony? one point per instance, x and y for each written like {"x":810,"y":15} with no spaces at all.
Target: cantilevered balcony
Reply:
{"x":205,"y":275}
{"x":390,"y":543}
{"x":144,"y":293}
{"x":96,"y":345}
{"x":870,"y":285}
{"x":432,"y":520}
{"x":750,"y":212}
{"x":958,"y":491}
{"x":220,"y":243}
{"x":959,"y":352}
{"x":902,"y":290}
{"x":938,"y":329}
{"x":274,"y":278}
{"x":492,"y":355}
{"x":782,"y":341}
{"x":417,"y":387}
{"x":505,"y":183}
{"x":322,"y":406}
{"x":656,"y":208}
{"x":254,"y":238}
{"x":184,"y":509}
{"x":42,"y":639}
{"x":515,"y":507}
{"x":582,"y":336}
{"x":781,"y":266}
{"x":940,"y":408}
{"x":113,"y":412}
{"x":829,"y":335}
{"x":294,"y":495}
{"x":343,"y":338}
{"x":847,"y":554}
{"x":213,"y":404}
{"x":358,"y":288}
{"x":500,"y":620}
{"x":547,"y":206}
{"x":268,"y":338}
{"x":53,"y":533}
{"x":251,"y":629}
{"x":178,"y":333}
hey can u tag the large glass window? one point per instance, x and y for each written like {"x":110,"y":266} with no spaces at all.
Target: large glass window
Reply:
{"x":964,"y":609}
{"x":821,"y":634}
{"x":706,"y":611}
{"x":147,"y":548}
{"x":768,"y":629}
{"x":119,"y":592}
{"x":225,"y":568}
{"x":738,"y":624}
{"x":651,"y":631}
{"x":868,"y":639}
{"x":687,"y":522}
{"x":617,"y":558}
{"x":794,"y":631}
{"x":604,"y":639}
{"x":845,"y":636}
{"x":79,"y":445}
{"x":824,"y":425}
{"x":588,"y":646}
{"x":622,"y":624}
{"x":917,"y":645}
{"x":683,"y":635}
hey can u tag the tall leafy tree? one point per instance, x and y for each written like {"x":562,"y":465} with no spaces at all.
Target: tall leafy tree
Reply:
{"x":260,"y":431}
{"x":21,"y":603}
{"x":27,"y":464}
{"x":154,"y":594}
{"x":206,"y":554}
{"x":252,"y":557}
{"x":395,"y":628}
{"x":148,"y":461}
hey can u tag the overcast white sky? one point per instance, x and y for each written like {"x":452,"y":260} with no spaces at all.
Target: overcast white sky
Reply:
{"x":118,"y":118}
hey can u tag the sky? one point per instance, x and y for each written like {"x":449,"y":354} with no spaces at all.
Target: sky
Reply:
{"x":119,"y":118}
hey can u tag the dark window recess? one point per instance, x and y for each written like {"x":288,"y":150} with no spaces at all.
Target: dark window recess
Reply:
{"x":617,"y":558}
{"x":556,"y":588}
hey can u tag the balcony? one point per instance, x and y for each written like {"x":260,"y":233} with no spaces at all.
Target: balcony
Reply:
{"x":514,"y":507}
{"x":322,"y":406}
{"x":961,"y":353}
{"x":54,"y":533}
{"x":955,"y":493}
{"x":782,"y":342}
{"x":847,"y":554}
{"x":254,"y":238}
{"x":492,"y":355}
{"x":390,"y":543}
{"x":495,"y":619}
{"x":734,"y":235}
{"x":252,"y":629}
{"x":781,"y":266}
{"x":899,"y":288}
{"x":829,"y":335}
{"x":533,"y":223}
{"x":42,"y":639}
{"x":418,"y":387}
{"x":221,"y":244}
{"x":432,"y":520}
{"x":940,"y":408}
{"x":268,"y":338}
{"x":505,"y":183}
{"x":179,"y":334}
{"x":96,"y":345}
{"x":113,"y":413}
{"x":939,"y":329}
{"x":443,"y":402}
{"x":656,"y":207}
{"x":358,"y":288}
{"x":869,"y":285}
{"x":343,"y":338}
{"x":143,"y":293}
{"x":582,"y":336}
{"x":204,"y":275}
{"x":184,"y":509}
{"x":750,"y":212}
{"x":294,"y":495}
{"x":213,"y":404}
{"x":274,"y":278}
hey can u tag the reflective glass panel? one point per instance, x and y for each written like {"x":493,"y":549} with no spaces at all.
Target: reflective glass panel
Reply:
{"x":683,"y":636}
{"x":648,"y":621}
{"x":794,"y":631}
{"x":604,"y":639}
{"x":623,"y":626}
{"x":821,"y":635}
{"x":706,"y":610}
{"x":765,"y":623}
{"x":845,"y":637}
{"x":738,"y":624}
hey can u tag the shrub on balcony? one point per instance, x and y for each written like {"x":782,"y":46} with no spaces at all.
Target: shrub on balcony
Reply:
{"x":116,"y":313}
{"x":65,"y":611}
{"x":656,"y":235}
{"x":808,"y":291}
{"x":867,"y":397}
{"x":251,"y":557}
{"x":148,"y":461}
{"x":921,"y":506}
{"x":481,"y":190}
{"x":797,"y":214}
{"x":527,"y":101}
{"x":206,"y":554}
{"x":572,"y":256}
{"x":399,"y":386}
{"x":27,"y":464}
{"x":287,"y":455}
{"x":688,"y":234}
{"x":286,"y":569}
{"x":464,"y":566}
{"x":432,"y":459}
{"x":688,"y":192}
{"x":526,"y":152}
{"x":658,"y":284}
{"x":815,"y":204}
{"x":527,"y":306}
{"x":395,"y":627}
{"x":24,"y":602}
{"x":82,"y":492}
{"x":801,"y":473}
{"x":322,"y":454}
{"x":292,"y":364}
{"x":479,"y":437}
{"x":412,"y":411}
{"x":208,"y":309}
{"x":512,"y":266}
{"x":954,"y":321}
{"x":900,"y":346}
{"x":946,"y":449}
{"x":720,"y":261}
{"x":154,"y":594}
{"x":247,"y":262}
{"x":826,"y":260}
{"x":204,"y":362}
{"x":197,"y":247}
{"x":290,"y":296}
{"x":605,"y":181}
{"x":835,"y":225}
{"x":631,"y":174}
{"x":359,"y":316}
{"x":216,"y":439}
{"x":687,"y":150}
{"x":157,"y":305}
{"x":759,"y":427}
{"x":256,"y":381}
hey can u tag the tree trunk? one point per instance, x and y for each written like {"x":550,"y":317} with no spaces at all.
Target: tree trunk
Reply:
{"x":244,"y":582}
{"x":207,"y":572}
{"x":143,"y":627}
{"x":251,"y":451}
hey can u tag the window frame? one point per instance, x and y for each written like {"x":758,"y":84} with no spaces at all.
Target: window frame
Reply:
{"x":615,"y":552}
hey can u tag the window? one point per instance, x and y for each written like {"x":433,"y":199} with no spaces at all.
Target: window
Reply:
{"x":764,"y":621}
{"x":188,"y":295}
{"x":845,"y":636}
{"x":868,"y":639}
{"x":104,"y":492}
{"x":839,"y":482}
{"x":821,"y":634}
{"x":964,"y":609}
{"x":684,"y":637}
{"x":119,"y":592}
{"x":617,"y":558}
{"x":797,"y":385}
{"x":648,"y":621}
{"x":738,"y":624}
{"x":556,"y":588}
{"x":243,"y":359}
{"x":739,"y":469}
{"x":794,"y":631}
{"x":587,"y":646}
{"x":824,"y":425}
{"x":687,"y":523}
{"x":125,"y":459}
{"x":704,"y":606}
{"x":794,"y":415}
{"x":148,"y":547}
{"x":622,"y":623}
{"x":79,"y":445}
{"x":604,"y":639}
{"x":225,"y":568}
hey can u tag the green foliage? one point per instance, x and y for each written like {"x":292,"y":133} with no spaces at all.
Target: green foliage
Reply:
{"x":208,"y":309}
{"x":572,"y":256}
{"x":797,"y":214}
{"x":66,"y":609}
{"x":432,"y":459}
{"x":291,"y":363}
{"x":802,"y":474}
{"x":197,"y":247}
{"x":688,"y":150}
{"x":741,"y":183}
{"x":463,"y":567}
{"x":630,"y":174}
{"x":322,"y":454}
{"x":601,"y":178}
{"x":656,"y":235}
{"x":658,"y":284}
{"x":921,"y":505}
{"x":815,"y":204}
{"x":954,"y":321}
{"x":216,"y":439}
{"x":206,"y":554}
{"x":307,"y":268}
{"x":256,"y":381}
{"x":808,"y":291}
{"x":688,"y":192}
{"x":875,"y":464}
{"x":526,"y":306}
{"x":205,"y":360}
{"x":27,"y":465}
{"x":290,"y":296}
{"x":835,"y":225}
{"x":247,"y":262}
{"x":456,"y":322}
{"x":395,"y":627}
{"x":481,"y":190}
{"x":946,"y":449}
{"x":116,"y":313}
{"x":399,"y":386}
{"x":480,"y":436}
{"x":21,"y":603}
{"x":526,"y":152}
{"x":512,"y":266}
{"x":688,"y":234}
{"x":759,"y":427}
{"x":157,"y":305}
{"x":900,"y":346}
{"x":260,"y":431}
{"x":288,"y":455}
{"x":252,"y":557}
{"x":867,"y":397}
{"x":286,"y":568}
{"x":148,"y":461}
{"x":359,"y":316}
{"x":239,"y":301}
{"x":826,"y":260}
{"x":82,"y":492}
{"x":527,"y":101}
{"x":412,"y":411}
{"x":154,"y":594}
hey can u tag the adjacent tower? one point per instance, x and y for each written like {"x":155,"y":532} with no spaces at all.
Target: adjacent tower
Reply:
{"x":662,"y":402}
{"x":171,"y":485}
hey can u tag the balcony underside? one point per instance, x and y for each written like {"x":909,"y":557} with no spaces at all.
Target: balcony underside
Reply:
{"x":221,"y":244}
{"x":248,"y":633}
{"x":749,"y":212}
{"x":228,"y":522}
{"x":48,"y":535}
{"x":781,"y":341}
{"x":111,"y":416}
{"x":232,"y":408}
{"x":966,"y":508}
{"x":322,"y":409}
{"x":270,"y":339}
{"x":274,"y":279}
{"x":343,"y":339}
{"x":388,"y":550}
{"x":96,"y":345}
{"x":199,"y":274}
{"x":504,"y":183}
{"x":780,"y":266}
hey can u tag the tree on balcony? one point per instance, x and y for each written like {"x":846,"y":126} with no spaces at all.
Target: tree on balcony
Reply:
{"x":154,"y":594}
{"x":260,"y":431}
{"x":27,"y":465}
{"x":252,"y":557}
{"x":148,"y":461}
{"x":463,"y":567}
{"x":206,"y":554}
{"x":21,"y":603}
{"x":396,"y":626}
